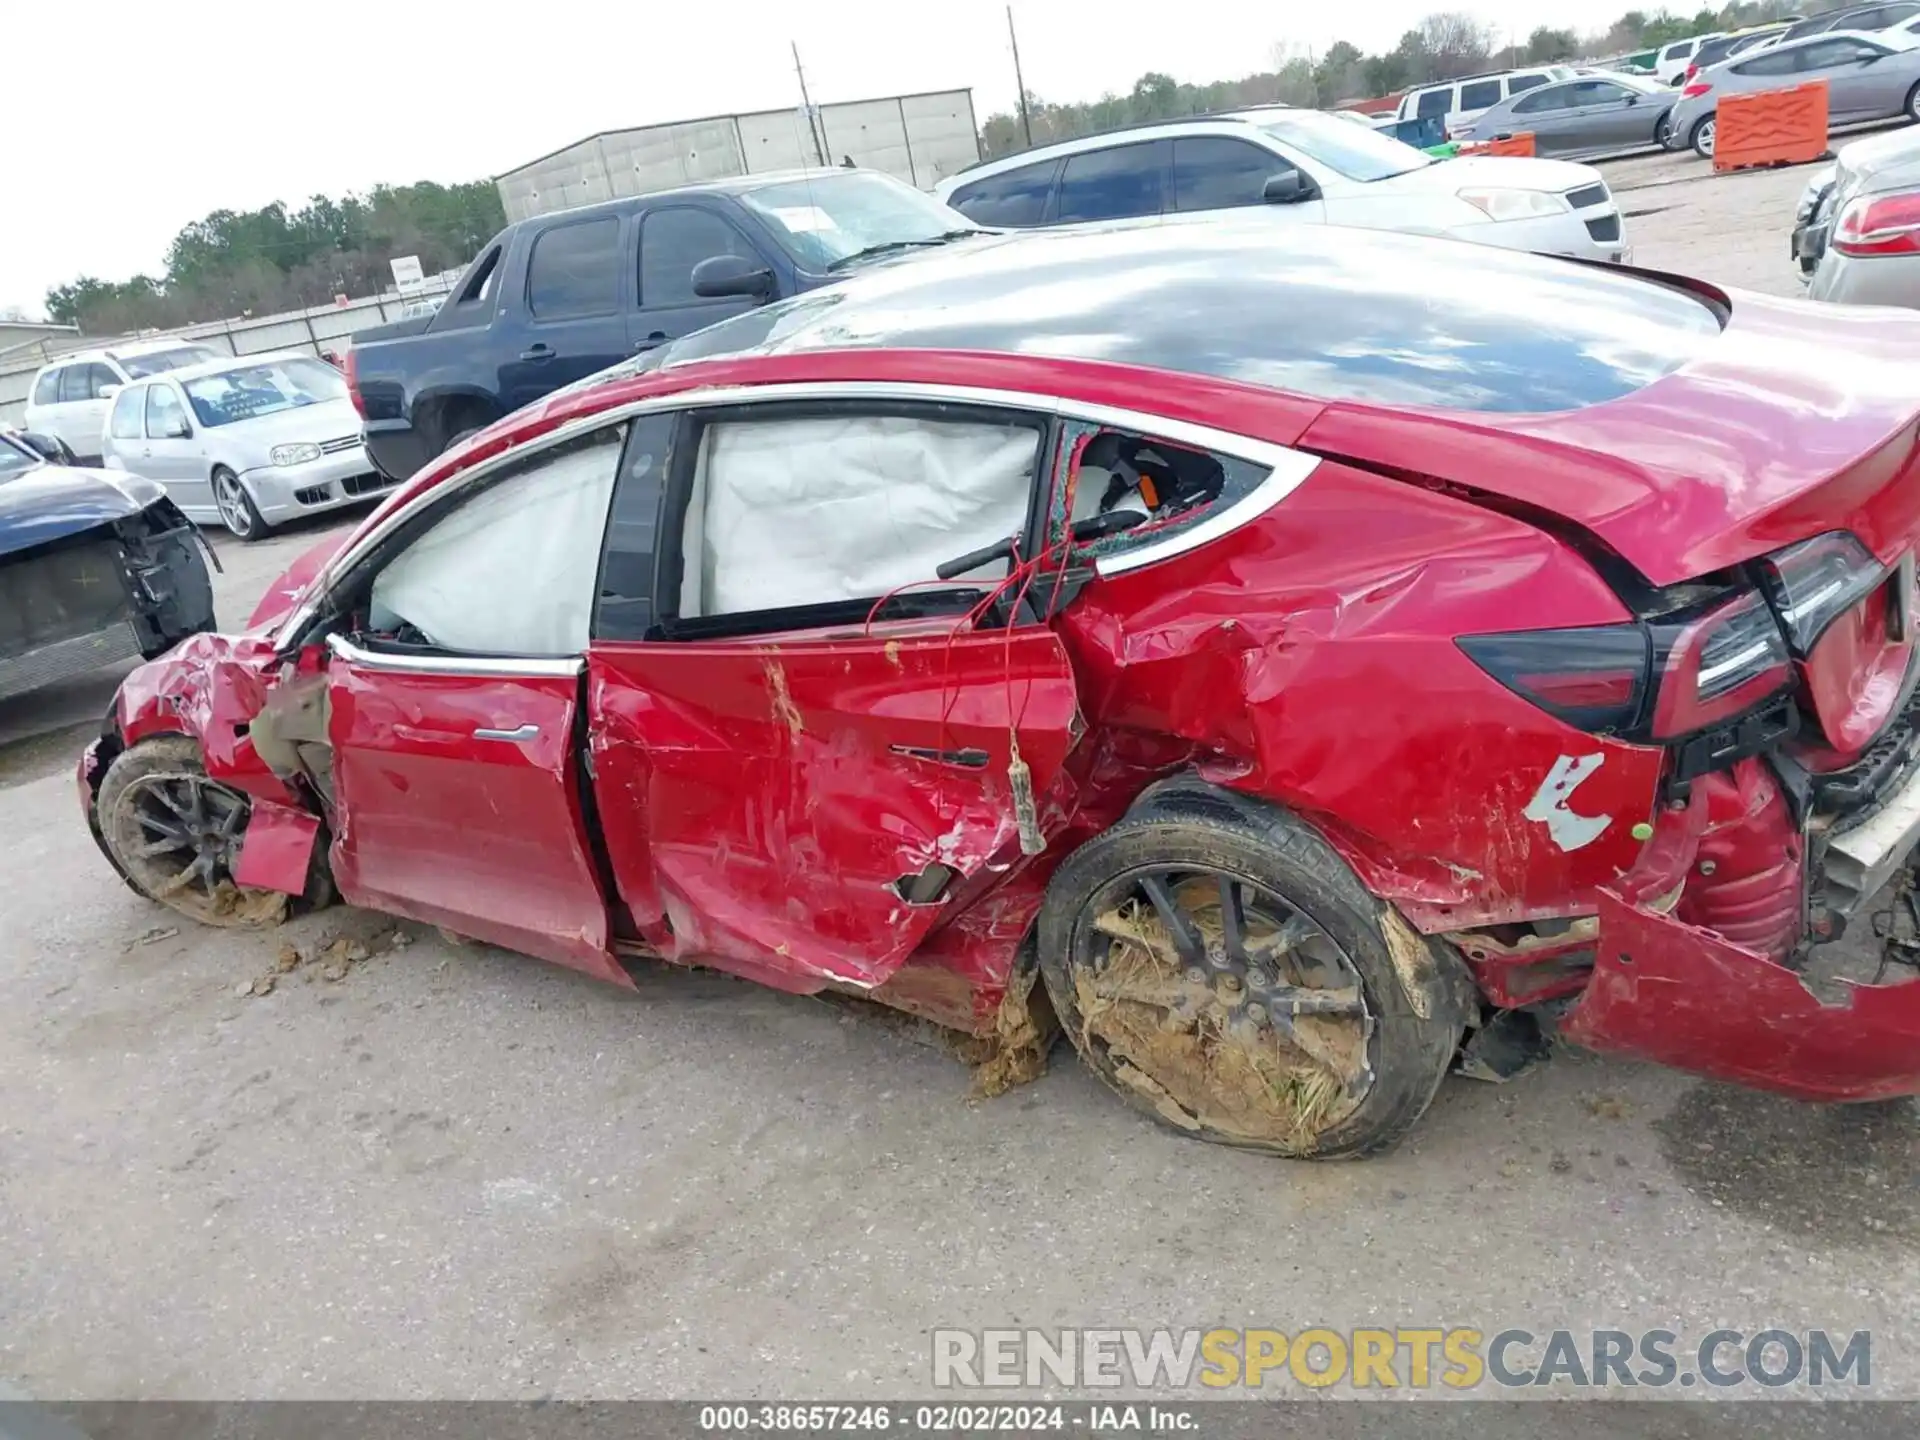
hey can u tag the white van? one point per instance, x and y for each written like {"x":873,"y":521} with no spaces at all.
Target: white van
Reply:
{"x":1458,"y":101}
{"x":71,"y":395}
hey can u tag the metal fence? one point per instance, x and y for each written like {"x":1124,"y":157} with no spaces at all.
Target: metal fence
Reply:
{"x":323,"y":327}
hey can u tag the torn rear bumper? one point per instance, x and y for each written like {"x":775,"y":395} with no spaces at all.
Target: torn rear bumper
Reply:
{"x":1670,"y":992}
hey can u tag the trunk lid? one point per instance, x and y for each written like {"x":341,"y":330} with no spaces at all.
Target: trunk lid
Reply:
{"x":1796,"y":420}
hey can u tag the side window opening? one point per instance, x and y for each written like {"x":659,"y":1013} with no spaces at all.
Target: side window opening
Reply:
{"x":76,"y":384}
{"x":1014,"y":197}
{"x":124,"y":421}
{"x":1140,"y":489}
{"x":46,"y":390}
{"x":828,"y":514}
{"x":479,"y":284}
{"x":507,"y":567}
{"x":1480,"y":95}
{"x":1435,"y":102}
{"x":574,"y":270}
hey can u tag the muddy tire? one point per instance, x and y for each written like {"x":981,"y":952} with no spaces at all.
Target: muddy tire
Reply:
{"x":1338,"y":1080}
{"x":172,"y":834}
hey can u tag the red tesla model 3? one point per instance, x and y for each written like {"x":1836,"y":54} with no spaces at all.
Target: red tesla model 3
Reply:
{"x":1302,"y":667}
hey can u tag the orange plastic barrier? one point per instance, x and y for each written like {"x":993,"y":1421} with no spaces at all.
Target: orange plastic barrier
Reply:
{"x":1521,"y":144}
{"x":1773,"y":127}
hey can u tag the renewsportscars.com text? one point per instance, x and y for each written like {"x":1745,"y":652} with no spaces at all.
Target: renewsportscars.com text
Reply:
{"x":1414,"y":1357}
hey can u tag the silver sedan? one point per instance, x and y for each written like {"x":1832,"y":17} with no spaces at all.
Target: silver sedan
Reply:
{"x":1861,"y":241}
{"x":248,"y":442}
{"x":1869,"y":77}
{"x":1574,"y":119}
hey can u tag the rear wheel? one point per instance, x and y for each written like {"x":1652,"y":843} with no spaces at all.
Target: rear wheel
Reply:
{"x":175,"y":835}
{"x":236,"y":506}
{"x":1702,"y":138}
{"x":1224,"y":971}
{"x":1663,"y":130}
{"x":1913,"y":104}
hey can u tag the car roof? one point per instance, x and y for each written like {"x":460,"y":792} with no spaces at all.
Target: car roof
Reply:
{"x":725,"y":185}
{"x":224,"y":363}
{"x":1245,"y":115}
{"x":1546,"y":69}
{"x":1332,"y":313}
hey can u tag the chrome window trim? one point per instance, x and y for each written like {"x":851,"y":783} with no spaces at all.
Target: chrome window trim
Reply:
{"x":502,"y":666}
{"x":1287,"y":468}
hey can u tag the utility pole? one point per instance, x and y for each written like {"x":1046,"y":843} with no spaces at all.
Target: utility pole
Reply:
{"x":1026,"y":120}
{"x":806,"y":106}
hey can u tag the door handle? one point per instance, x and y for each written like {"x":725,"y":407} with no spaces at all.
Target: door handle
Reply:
{"x":658,"y":337}
{"x":525,"y":732}
{"x":537,"y":352}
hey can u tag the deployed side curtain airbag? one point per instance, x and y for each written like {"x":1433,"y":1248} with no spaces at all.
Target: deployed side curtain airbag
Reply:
{"x":803,"y":512}
{"x":511,"y":570}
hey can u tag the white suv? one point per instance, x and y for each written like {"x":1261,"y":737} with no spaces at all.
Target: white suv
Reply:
{"x":1459,"y":102}
{"x":71,"y":395}
{"x":1298,"y":167}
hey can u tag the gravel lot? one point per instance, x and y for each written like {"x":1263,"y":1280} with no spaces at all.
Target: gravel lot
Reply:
{"x":457,"y":1173}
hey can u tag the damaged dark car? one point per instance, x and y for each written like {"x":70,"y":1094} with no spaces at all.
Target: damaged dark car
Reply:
{"x":95,"y":569}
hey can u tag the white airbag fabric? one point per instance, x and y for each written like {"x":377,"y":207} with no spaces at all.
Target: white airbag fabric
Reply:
{"x":511,"y":571}
{"x":801,"y":512}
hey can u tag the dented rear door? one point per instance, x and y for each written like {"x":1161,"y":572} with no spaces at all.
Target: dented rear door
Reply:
{"x":799,"y":810}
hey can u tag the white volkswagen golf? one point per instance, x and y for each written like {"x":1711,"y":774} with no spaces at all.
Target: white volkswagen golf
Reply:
{"x":249,"y":442}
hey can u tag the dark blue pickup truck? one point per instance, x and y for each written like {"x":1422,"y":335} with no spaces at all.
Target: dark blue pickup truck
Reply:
{"x":554,"y":298}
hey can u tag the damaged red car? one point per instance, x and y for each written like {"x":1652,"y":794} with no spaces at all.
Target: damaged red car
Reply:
{"x":1303,"y":670}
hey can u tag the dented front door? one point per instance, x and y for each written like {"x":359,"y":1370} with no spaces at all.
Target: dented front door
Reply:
{"x":456,"y":801}
{"x":798,"y":811}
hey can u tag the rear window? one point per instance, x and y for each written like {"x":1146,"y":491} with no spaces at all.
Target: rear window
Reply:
{"x":1382,"y":318}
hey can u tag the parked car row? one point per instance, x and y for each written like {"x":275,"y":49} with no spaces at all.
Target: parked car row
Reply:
{"x":1868,"y":77}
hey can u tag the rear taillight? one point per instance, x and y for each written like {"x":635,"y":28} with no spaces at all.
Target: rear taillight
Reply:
{"x":1594,"y":677}
{"x":1694,"y":89}
{"x":1815,"y":582}
{"x":1716,"y":664}
{"x":1692,"y":70}
{"x":352,"y":371}
{"x":1879,"y":225}
{"x":1646,"y":680}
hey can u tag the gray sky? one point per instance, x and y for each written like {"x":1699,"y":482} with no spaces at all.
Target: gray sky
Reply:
{"x":165,"y":114}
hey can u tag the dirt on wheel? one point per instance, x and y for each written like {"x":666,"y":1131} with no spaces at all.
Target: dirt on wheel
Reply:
{"x":1199,"y":1060}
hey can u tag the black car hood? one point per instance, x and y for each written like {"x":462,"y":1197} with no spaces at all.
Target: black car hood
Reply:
{"x":51,"y":501}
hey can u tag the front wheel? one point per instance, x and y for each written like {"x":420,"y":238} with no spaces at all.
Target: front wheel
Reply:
{"x":1223,"y":970}
{"x":174,"y":835}
{"x":1703,"y":138}
{"x":236,"y":506}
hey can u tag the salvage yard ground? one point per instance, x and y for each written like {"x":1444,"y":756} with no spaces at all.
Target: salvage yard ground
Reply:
{"x":344,"y":1160}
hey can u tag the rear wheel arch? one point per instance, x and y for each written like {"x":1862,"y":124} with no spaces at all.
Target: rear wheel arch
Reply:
{"x":449,"y":415}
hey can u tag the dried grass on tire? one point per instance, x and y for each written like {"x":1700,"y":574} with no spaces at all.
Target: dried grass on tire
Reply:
{"x":1188,"y":1062}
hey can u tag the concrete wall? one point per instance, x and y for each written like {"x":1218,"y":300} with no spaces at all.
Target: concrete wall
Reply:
{"x":920,"y":139}
{"x":324,"y":327}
